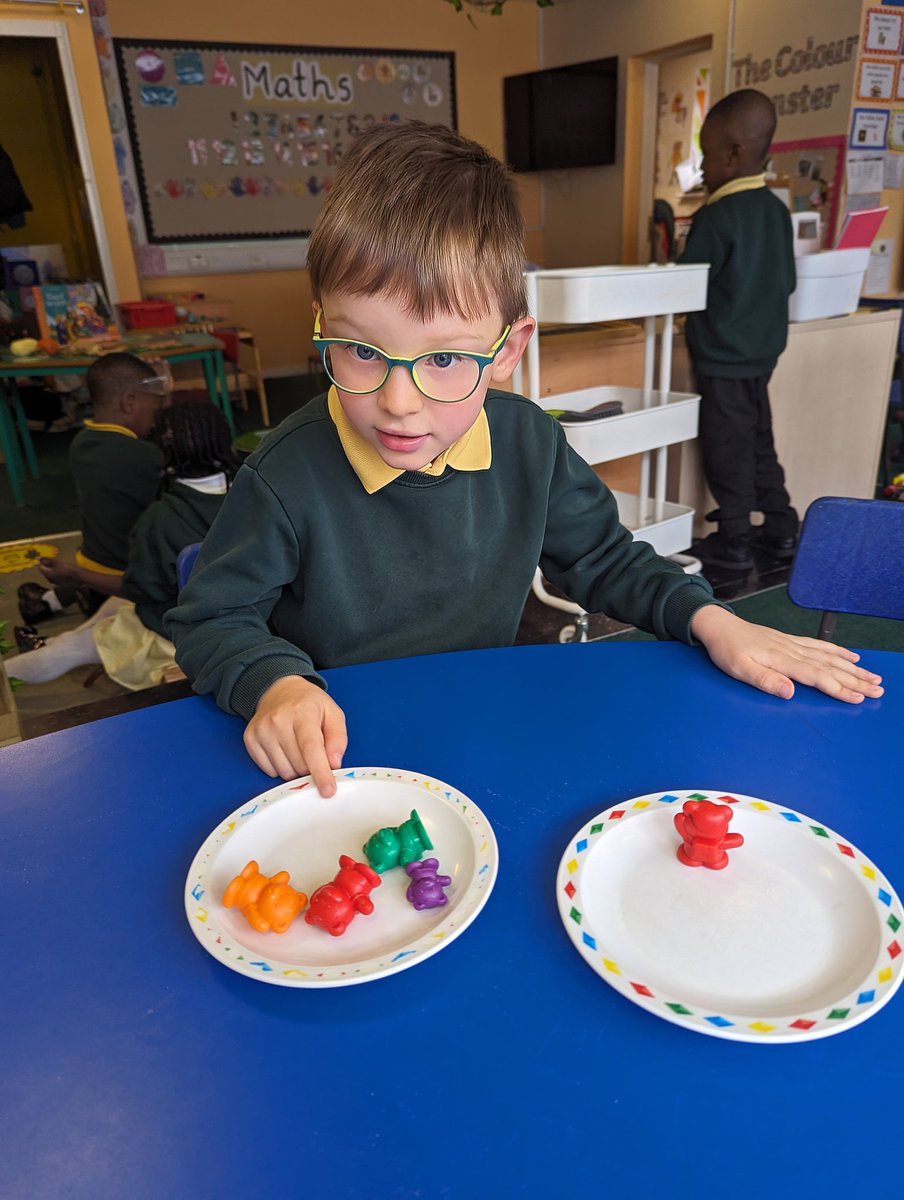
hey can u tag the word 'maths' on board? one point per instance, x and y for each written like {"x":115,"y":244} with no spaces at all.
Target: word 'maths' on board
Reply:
{"x":242,"y":141}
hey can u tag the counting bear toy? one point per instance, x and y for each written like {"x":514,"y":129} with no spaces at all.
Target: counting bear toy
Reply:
{"x":704,"y":828}
{"x":426,"y":887}
{"x":397,"y":846}
{"x":335,"y":905}
{"x":266,"y":903}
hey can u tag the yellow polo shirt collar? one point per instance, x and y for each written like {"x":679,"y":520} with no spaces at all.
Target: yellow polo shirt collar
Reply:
{"x":105,"y":427}
{"x":747,"y":183}
{"x":472,"y":451}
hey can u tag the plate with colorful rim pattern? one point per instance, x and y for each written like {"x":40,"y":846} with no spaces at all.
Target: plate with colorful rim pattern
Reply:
{"x":799,"y":937}
{"x":293,"y":828}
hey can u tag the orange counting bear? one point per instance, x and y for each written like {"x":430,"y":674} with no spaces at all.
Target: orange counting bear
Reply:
{"x":266,"y":903}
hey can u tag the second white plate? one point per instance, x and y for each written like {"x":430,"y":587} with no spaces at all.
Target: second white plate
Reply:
{"x":797,"y":938}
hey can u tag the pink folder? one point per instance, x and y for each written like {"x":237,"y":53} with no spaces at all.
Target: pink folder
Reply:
{"x":860,"y":228}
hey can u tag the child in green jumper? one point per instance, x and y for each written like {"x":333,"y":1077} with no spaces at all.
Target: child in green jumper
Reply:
{"x":744,"y":233}
{"x":405,"y":511}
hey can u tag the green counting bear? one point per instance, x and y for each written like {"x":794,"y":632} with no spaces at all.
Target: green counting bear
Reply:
{"x":396,"y":847}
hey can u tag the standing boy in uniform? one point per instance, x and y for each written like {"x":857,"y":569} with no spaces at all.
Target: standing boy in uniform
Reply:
{"x":405,"y":512}
{"x":744,"y":233}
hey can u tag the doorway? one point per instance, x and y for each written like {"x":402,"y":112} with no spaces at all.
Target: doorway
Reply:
{"x":667,"y":98}
{"x":45,"y":138}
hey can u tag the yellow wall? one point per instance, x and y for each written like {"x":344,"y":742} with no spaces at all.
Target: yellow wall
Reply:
{"x":277,"y":304}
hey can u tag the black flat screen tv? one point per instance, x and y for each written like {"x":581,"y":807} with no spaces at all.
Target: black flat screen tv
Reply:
{"x":562,"y":118}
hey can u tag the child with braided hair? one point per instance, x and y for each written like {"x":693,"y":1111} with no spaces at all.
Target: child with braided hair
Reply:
{"x":126,"y":634}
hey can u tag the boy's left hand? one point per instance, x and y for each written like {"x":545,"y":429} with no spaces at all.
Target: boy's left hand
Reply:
{"x":772,"y":661}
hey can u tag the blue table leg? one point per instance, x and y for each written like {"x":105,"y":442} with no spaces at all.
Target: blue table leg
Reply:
{"x":24,"y":431}
{"x":10,"y":448}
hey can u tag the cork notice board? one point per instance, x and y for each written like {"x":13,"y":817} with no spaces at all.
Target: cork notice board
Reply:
{"x":241,"y":141}
{"x":813,"y":172}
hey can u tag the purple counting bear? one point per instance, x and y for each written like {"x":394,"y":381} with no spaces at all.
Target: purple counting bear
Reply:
{"x":426,"y":887}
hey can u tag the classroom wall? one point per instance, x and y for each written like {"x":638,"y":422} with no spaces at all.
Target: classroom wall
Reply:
{"x":891,"y":233}
{"x":583,"y":209}
{"x":277,"y":304}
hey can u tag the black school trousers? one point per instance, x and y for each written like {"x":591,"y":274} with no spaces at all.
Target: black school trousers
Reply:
{"x":739,"y":459}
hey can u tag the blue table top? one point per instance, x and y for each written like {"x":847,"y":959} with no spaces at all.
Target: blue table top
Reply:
{"x":136,"y":1065}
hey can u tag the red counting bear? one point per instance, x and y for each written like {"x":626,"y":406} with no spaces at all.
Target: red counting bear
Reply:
{"x":704,"y":828}
{"x":335,"y":905}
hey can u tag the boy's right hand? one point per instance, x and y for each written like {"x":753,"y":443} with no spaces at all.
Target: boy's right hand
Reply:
{"x":298,"y":729}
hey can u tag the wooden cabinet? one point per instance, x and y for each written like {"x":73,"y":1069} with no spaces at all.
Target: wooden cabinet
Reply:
{"x":829,"y":397}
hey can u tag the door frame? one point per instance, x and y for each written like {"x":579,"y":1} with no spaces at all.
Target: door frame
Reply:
{"x":57,"y":30}
{"x":641,"y":116}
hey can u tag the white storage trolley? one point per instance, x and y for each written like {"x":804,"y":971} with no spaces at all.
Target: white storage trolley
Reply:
{"x":651,"y":420}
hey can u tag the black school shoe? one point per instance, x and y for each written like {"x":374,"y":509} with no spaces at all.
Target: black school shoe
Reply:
{"x":28,"y":638}
{"x":778,"y":547}
{"x":35,"y":609}
{"x":32,"y":605}
{"x":719,"y":550}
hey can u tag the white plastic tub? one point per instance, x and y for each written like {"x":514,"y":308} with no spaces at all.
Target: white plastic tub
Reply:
{"x":828,"y":284}
{"x":581,"y":295}
{"x":669,"y":528}
{"x":635,"y":430}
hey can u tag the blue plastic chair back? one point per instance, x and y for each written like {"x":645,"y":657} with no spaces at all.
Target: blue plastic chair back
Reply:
{"x":185,"y":562}
{"x":850,"y":558}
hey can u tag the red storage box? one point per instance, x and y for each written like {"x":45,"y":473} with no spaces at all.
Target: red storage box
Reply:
{"x":145,"y":314}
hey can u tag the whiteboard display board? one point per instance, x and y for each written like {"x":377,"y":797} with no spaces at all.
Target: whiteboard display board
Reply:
{"x":239,"y":141}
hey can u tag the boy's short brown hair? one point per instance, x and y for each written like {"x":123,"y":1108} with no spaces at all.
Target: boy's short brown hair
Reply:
{"x":427,"y":216}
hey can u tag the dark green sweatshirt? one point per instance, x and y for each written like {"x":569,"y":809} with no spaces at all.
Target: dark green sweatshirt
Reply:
{"x":303,"y":569}
{"x":180,"y":517}
{"x":748,"y":241}
{"x":116,"y":477}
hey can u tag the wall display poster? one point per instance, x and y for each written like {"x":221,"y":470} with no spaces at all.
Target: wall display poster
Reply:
{"x":876,"y":79}
{"x":701,"y":108}
{"x":865,"y":171}
{"x":893,"y":171}
{"x":236,"y":141}
{"x":813,"y":172}
{"x":883,"y":32}
{"x":896,"y":131}
{"x":860,"y":201}
{"x":878,"y":272}
{"x":869,"y":128}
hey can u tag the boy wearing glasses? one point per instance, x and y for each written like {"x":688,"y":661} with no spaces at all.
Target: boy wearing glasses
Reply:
{"x":406,"y":510}
{"x":117,"y":476}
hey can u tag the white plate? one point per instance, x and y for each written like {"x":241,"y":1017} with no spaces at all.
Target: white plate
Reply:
{"x":797,"y":938}
{"x":293,"y":828}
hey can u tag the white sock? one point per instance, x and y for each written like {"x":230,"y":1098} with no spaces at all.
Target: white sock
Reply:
{"x":53,"y":600}
{"x":61,"y":654}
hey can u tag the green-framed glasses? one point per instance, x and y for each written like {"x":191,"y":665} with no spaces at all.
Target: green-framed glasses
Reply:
{"x":448,"y":376}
